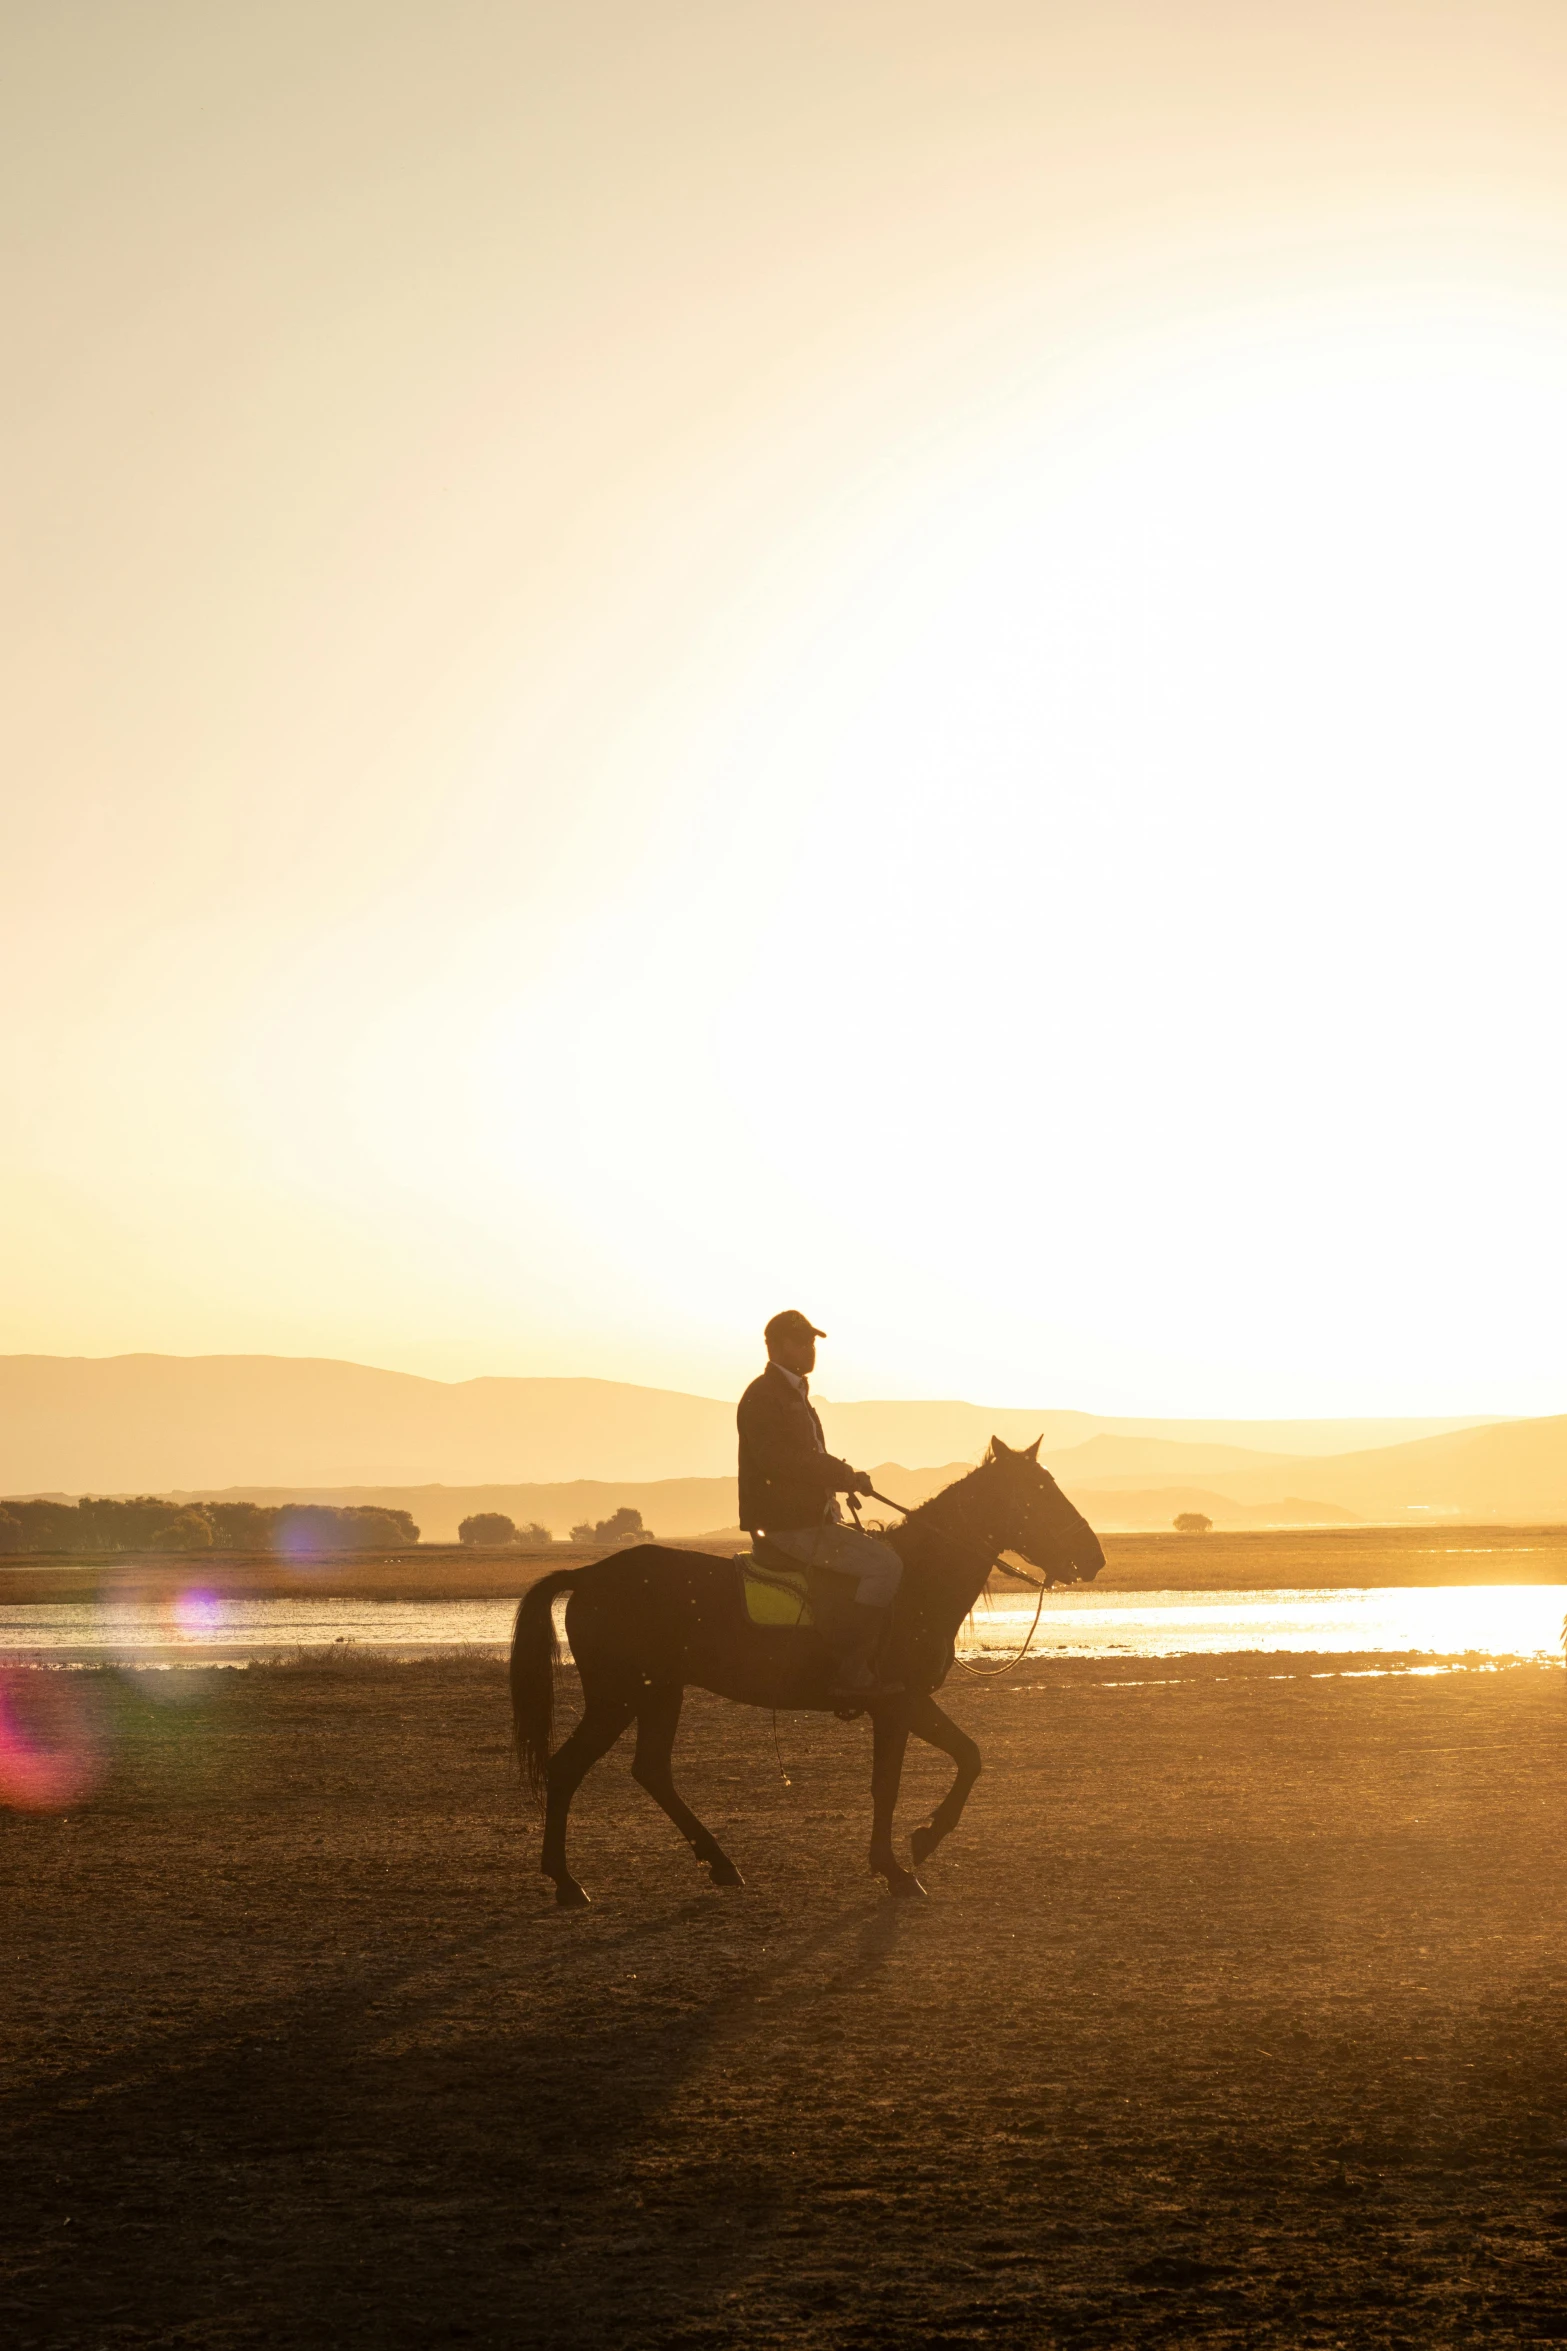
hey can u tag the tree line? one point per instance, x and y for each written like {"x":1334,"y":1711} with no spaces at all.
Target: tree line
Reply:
{"x":147,"y":1522}
{"x":492,"y":1530}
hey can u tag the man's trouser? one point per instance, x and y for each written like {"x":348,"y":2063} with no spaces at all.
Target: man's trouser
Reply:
{"x":845,"y":1551}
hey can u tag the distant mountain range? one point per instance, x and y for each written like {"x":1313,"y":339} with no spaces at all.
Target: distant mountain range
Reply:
{"x":127,"y":1423}
{"x":274,"y":1428}
{"x":1511,"y":1471}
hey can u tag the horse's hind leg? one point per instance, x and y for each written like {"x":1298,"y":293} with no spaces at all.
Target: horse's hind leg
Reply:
{"x":658,"y":1717}
{"x":890,"y":1736}
{"x":939,"y":1730}
{"x":602,"y":1723}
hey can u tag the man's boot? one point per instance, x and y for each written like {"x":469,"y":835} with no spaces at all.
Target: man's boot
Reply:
{"x":856,"y":1638}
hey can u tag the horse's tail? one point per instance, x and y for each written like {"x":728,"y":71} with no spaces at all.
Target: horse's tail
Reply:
{"x":532,"y":1674}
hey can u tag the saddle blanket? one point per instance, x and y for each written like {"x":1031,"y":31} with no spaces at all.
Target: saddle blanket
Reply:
{"x":774,"y":1597}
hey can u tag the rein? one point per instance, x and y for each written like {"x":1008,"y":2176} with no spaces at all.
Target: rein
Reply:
{"x":901,"y":1508}
{"x":994,"y":1673}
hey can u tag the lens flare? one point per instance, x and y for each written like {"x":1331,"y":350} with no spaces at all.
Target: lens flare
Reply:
{"x":51,"y":1754}
{"x":198,"y":1612}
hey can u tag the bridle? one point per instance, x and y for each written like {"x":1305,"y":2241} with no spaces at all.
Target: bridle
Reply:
{"x":978,"y":1673}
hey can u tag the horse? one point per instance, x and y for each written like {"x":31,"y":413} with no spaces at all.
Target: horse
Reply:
{"x":646,"y":1622}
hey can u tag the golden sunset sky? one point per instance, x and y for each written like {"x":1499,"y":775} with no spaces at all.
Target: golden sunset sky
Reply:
{"x":670,"y":659}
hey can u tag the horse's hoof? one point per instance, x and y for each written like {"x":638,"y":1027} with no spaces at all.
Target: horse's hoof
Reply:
{"x":922,"y":1844}
{"x":905,"y":1886}
{"x":724,"y":1873}
{"x":570,"y":1896}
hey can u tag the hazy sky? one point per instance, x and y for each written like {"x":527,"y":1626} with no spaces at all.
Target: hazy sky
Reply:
{"x":669,"y":659}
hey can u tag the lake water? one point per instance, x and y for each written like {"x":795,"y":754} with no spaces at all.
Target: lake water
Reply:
{"x":206,"y":1628}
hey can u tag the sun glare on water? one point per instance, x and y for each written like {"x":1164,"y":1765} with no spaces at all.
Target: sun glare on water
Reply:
{"x":1509,"y":1620}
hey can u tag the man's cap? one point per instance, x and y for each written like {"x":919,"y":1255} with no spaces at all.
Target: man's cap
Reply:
{"x":791,"y":1324}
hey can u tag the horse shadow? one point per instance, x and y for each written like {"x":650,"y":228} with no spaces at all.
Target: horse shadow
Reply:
{"x":372,"y":2162}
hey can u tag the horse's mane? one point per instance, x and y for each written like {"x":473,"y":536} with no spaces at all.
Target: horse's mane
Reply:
{"x":919,"y":1519}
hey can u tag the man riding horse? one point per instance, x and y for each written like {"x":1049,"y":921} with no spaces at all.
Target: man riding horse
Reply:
{"x":648,"y":1623}
{"x":789,"y":1488}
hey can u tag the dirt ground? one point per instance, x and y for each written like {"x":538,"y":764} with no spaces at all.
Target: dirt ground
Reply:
{"x":1235,"y":2017}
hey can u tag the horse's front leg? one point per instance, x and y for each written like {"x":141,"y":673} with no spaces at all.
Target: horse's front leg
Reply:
{"x":890,"y":1722}
{"x":927,"y":1722}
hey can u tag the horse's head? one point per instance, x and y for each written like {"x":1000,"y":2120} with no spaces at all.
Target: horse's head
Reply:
{"x":1046,"y":1529}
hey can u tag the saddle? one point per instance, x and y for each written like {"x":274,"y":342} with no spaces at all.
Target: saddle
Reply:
{"x":777,"y":1596}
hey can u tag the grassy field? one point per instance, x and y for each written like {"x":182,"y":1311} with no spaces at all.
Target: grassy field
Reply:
{"x":1334,"y":1558}
{"x":1318,"y":1558}
{"x":1233,"y":2021}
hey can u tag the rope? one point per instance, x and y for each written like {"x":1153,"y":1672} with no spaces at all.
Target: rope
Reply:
{"x":994,"y":1673}
{"x":901,"y":1508}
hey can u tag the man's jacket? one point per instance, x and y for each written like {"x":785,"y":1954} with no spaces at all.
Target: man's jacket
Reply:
{"x":786,"y":1478}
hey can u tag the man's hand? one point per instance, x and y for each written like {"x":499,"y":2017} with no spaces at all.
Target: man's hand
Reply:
{"x":862,"y":1483}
